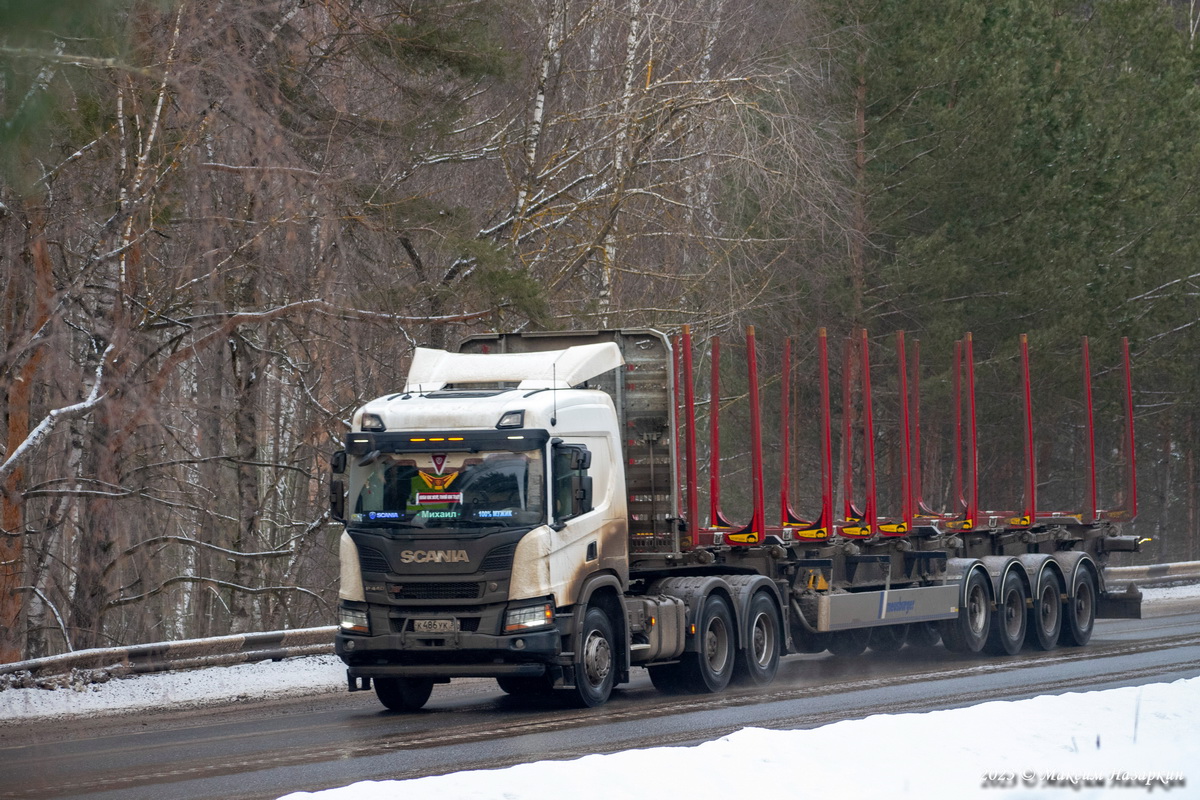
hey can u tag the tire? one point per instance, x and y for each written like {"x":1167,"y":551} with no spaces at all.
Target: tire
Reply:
{"x":924,"y":635}
{"x":1080,"y":610}
{"x":710,"y":668}
{"x":810,"y":642}
{"x":1046,"y":615}
{"x":758,"y":661}
{"x":968,"y":632}
{"x":596,"y":667}
{"x":403,"y":694}
{"x":1006,"y":633}
{"x":522,"y":686}
{"x":667,"y":678}
{"x":849,"y":643}
{"x":888,"y":638}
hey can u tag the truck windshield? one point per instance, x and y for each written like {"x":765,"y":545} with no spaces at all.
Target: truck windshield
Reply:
{"x":451,"y":490}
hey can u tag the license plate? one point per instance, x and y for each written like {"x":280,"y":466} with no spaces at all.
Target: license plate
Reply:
{"x":435,"y":625}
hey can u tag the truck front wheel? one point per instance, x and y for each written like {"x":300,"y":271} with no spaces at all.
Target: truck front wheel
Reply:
{"x":596,"y":666}
{"x":403,"y":694}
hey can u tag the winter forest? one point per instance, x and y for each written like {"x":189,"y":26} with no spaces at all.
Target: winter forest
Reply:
{"x":224,"y":225}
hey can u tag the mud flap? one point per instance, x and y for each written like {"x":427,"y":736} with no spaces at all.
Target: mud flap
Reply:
{"x":1120,"y":605}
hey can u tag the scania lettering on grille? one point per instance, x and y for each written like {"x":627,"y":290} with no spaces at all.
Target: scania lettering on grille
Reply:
{"x":433,"y":556}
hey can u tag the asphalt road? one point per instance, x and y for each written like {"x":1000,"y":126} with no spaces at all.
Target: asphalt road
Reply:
{"x":267,"y":749}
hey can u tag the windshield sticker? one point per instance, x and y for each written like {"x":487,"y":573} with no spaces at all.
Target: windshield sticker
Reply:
{"x":504,"y":512}
{"x":439,"y":483}
{"x":439,"y":462}
{"x":425,"y":498}
{"x":384,"y":515}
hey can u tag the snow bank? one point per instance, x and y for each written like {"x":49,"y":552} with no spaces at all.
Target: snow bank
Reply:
{"x":191,"y":689}
{"x":1127,"y":743}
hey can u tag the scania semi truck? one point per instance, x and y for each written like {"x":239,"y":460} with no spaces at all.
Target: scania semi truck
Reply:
{"x":527,"y":509}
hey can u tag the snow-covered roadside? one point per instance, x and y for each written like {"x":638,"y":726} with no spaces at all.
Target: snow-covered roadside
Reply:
{"x":1121,"y":743}
{"x":294,"y":677}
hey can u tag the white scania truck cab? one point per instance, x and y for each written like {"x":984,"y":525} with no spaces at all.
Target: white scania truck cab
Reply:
{"x":484,"y":504}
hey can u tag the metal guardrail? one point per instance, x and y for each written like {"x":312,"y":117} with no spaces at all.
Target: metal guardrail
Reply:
{"x":1155,"y":574}
{"x":108,"y":662}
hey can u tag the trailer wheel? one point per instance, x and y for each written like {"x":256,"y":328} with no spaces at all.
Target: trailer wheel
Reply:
{"x":1046,"y":616}
{"x":1007,"y":630}
{"x":923,"y":634}
{"x":967,"y":632}
{"x":710,"y":668}
{"x":758,"y":661}
{"x":888,"y":638}
{"x":403,"y":694}
{"x":596,"y":667}
{"x":849,"y":643}
{"x":1081,"y":610}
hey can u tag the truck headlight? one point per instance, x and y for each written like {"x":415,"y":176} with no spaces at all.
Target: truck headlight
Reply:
{"x":526,"y":617}
{"x":353,"y":620}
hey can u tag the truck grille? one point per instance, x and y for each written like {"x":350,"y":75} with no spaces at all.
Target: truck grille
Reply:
{"x":371,"y":560}
{"x":436,"y":591}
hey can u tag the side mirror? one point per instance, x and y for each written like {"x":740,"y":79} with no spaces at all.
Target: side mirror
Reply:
{"x":581,"y":458}
{"x":337,"y":500}
{"x":337,"y":462}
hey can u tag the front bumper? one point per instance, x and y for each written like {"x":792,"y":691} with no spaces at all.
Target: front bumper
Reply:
{"x":453,"y":655}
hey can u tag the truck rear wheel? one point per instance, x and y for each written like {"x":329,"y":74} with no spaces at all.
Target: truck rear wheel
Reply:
{"x":1081,"y":610}
{"x":667,"y":678}
{"x":710,"y":668}
{"x":1007,"y":630}
{"x":968,"y":632}
{"x":758,"y":661}
{"x":1046,"y":616}
{"x":596,"y":666}
{"x":403,"y":694}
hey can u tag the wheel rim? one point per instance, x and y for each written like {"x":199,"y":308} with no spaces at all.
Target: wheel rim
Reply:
{"x":1014,"y":612}
{"x":1083,"y":605}
{"x":597,"y":658}
{"x":716,"y":645}
{"x":977,"y":610}
{"x":1048,"y":608}
{"x":763,"y":640}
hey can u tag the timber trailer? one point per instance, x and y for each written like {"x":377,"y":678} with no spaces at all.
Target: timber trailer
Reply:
{"x":527,"y":509}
